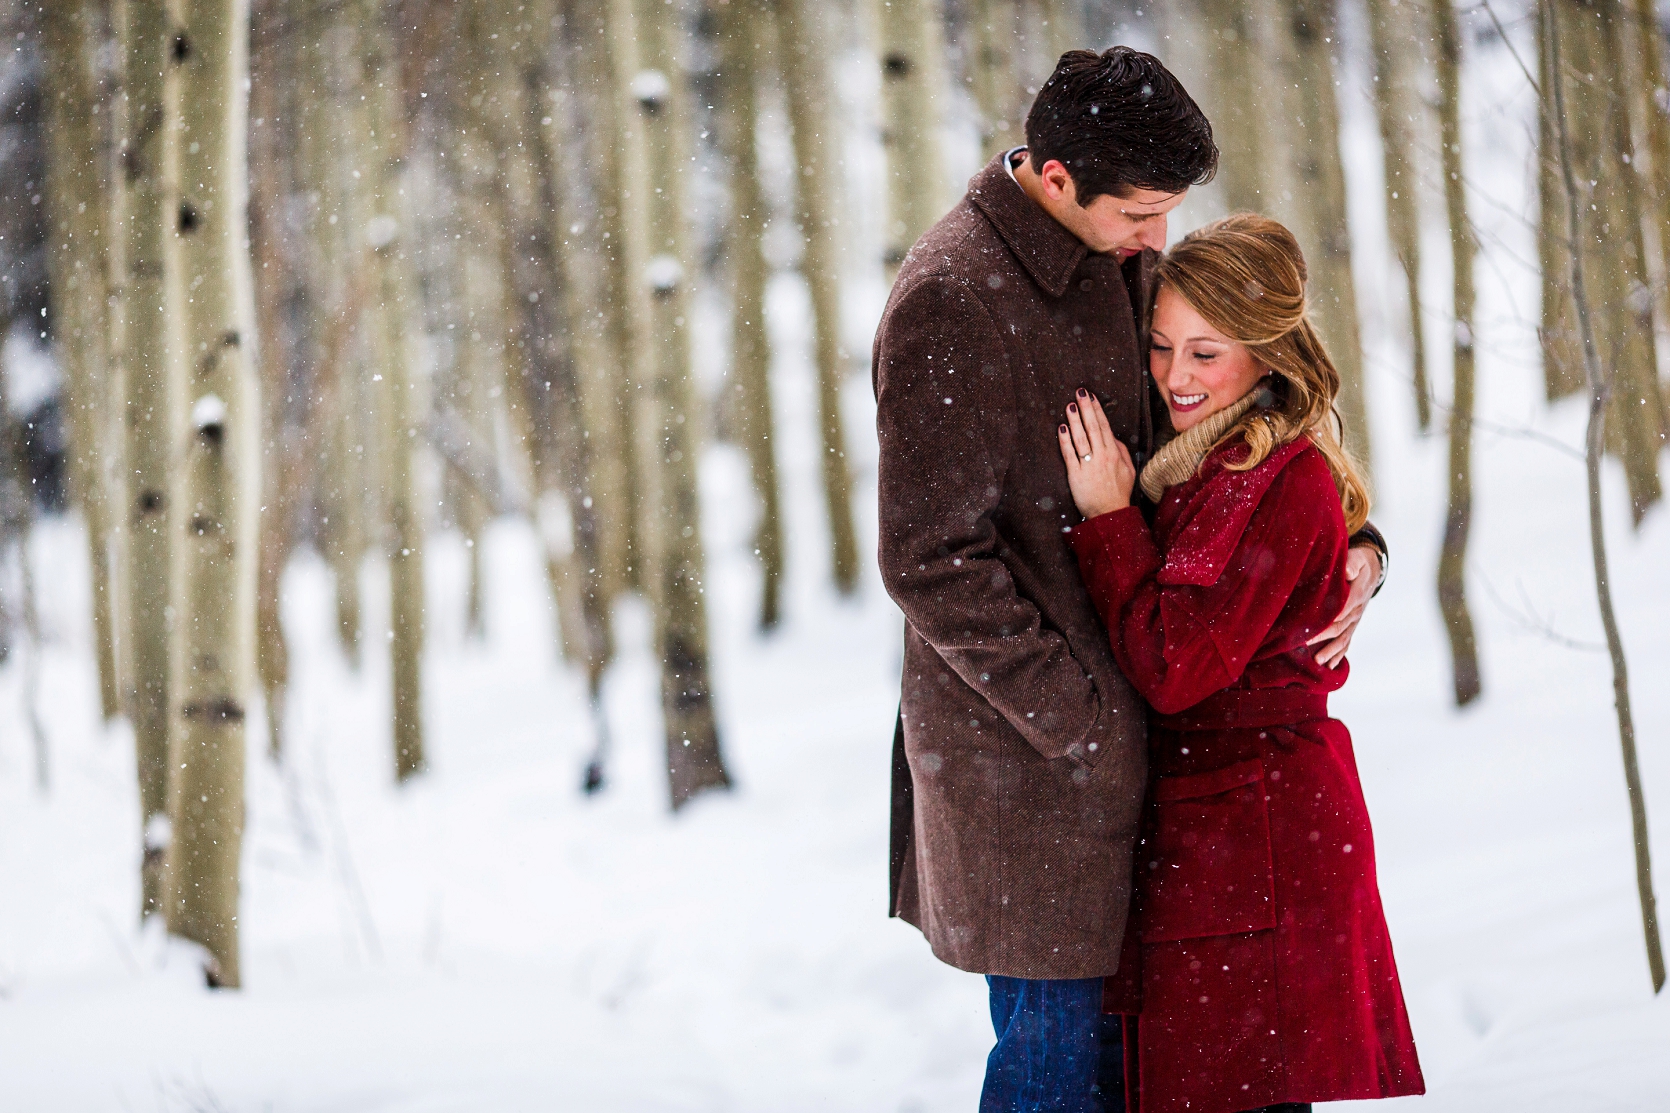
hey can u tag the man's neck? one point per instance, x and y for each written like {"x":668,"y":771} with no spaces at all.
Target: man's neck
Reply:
{"x":1028,"y":180}
{"x":1033,"y":186}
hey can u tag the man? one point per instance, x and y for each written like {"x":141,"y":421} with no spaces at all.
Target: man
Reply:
{"x":1020,"y":761}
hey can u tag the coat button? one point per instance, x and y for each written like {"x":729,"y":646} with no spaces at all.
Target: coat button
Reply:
{"x":1085,"y":284}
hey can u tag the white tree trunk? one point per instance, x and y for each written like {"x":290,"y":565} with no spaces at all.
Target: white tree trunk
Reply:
{"x":1458,"y":520}
{"x":144,"y":227}
{"x":215,"y":400}
{"x":1306,"y":63}
{"x":669,"y":437}
{"x":390,"y":324}
{"x":801,"y":46}
{"x":78,"y":210}
{"x":913,"y":91}
{"x":1398,"y":30}
{"x":746,"y":36}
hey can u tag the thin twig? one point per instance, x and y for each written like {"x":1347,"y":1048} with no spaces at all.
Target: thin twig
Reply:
{"x":1507,"y":42}
{"x":1529,"y":619}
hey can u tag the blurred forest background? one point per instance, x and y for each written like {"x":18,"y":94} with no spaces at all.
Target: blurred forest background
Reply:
{"x":334,"y":277}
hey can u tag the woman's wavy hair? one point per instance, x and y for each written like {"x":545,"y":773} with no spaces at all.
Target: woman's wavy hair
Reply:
{"x":1246,"y":275}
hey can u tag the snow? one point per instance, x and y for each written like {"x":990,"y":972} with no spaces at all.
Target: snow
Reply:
{"x":487,"y":937}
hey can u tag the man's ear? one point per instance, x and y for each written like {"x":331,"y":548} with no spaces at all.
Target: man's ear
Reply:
{"x":1058,"y":183}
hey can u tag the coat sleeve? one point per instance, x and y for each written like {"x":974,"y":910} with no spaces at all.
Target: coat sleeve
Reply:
{"x":1180,"y":642}
{"x":945,"y":421}
{"x":1372,"y":538}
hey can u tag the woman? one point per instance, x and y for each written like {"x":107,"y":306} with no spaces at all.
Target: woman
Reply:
{"x":1266,"y":976}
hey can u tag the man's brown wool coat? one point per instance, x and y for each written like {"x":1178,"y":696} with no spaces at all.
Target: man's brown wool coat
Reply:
{"x":1019,"y":773}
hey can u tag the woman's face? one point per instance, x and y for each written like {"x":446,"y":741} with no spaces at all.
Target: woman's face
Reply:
{"x":1197,"y":368}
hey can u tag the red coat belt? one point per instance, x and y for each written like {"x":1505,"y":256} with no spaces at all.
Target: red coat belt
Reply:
{"x":1234,"y":708}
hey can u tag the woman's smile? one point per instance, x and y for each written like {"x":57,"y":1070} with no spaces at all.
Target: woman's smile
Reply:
{"x":1183,"y":403}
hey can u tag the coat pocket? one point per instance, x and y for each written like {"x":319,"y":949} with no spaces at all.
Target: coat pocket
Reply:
{"x":1206,"y":866}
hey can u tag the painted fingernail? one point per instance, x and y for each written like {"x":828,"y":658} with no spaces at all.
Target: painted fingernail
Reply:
{"x":1083,"y":392}
{"x":1072,"y":407}
{"x":1063,"y":429}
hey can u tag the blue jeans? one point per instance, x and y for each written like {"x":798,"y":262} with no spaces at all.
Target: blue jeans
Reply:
{"x":1051,"y":1040}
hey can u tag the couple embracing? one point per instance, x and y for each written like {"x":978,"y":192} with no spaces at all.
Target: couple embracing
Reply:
{"x":1131,"y":551}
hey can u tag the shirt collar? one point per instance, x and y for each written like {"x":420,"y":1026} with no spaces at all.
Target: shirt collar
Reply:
{"x":1009,"y":161}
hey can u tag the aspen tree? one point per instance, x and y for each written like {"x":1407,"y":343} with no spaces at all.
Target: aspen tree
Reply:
{"x":1650,"y":119}
{"x":1458,"y":521}
{"x":995,"y":75}
{"x":1397,"y":28}
{"x":744,"y":33}
{"x":1305,"y":60}
{"x":215,"y":396}
{"x":474,"y":384}
{"x":388,"y":324}
{"x":641,"y":93}
{"x":594,"y":472}
{"x":655,"y":168}
{"x":1240,"y":91}
{"x":1552,"y":94}
{"x":801,"y":45}
{"x":604,"y":115}
{"x":1064,"y":22}
{"x":911,"y":91}
{"x":579,"y":139}
{"x":477,"y":383}
{"x":77,"y":259}
{"x":1612,"y":241}
{"x":1562,"y":359}
{"x":1638,"y":403}
{"x":335,"y":269}
{"x":541,"y":378}
{"x":278,"y":286}
{"x":343,"y":500}
{"x":1652,"y":109}
{"x":144,"y":226}
{"x":584,"y":249}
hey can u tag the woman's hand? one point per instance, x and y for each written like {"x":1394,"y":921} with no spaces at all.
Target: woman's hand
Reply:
{"x":1099,"y":468}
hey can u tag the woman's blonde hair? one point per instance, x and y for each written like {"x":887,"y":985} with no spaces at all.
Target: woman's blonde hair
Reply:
{"x":1246,"y":275}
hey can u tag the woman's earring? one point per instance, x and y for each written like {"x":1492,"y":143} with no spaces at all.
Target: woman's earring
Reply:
{"x":1264,"y":398}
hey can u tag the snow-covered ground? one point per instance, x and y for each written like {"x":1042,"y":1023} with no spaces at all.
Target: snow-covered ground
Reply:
{"x":487,"y":938}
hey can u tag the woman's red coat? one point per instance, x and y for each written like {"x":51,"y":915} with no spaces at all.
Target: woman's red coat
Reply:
{"x":1266,"y":972}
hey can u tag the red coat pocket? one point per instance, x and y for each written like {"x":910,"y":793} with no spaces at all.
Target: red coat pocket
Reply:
{"x":1205,"y":868}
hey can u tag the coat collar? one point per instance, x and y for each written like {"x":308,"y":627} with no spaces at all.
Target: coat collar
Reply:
{"x":1048,"y":252}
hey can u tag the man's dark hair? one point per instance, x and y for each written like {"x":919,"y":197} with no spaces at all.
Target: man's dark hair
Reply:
{"x":1120,"y":121}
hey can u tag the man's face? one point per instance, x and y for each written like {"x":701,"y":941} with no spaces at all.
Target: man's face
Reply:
{"x":1110,"y":225}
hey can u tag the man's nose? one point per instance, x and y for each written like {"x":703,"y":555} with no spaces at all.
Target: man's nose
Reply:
{"x":1153,"y":234}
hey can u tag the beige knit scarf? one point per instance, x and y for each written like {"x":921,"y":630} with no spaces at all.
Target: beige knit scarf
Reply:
{"x":1179,"y":460}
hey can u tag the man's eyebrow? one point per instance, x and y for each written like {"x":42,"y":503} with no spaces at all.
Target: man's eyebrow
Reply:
{"x":1140,"y":216}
